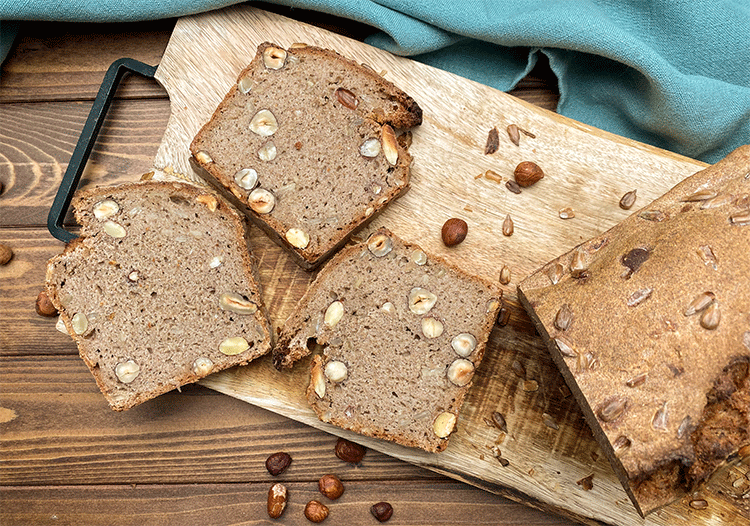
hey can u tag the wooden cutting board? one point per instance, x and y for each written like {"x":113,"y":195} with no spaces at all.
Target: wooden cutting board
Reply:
{"x":547,"y":445}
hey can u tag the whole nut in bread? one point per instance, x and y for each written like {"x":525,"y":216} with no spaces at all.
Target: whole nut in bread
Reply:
{"x":432,"y":327}
{"x":336,"y":371}
{"x":246,"y":178}
{"x":264,"y":123}
{"x":202,"y":366}
{"x":234,"y":345}
{"x":460,"y":372}
{"x":274,"y":57}
{"x":127,"y":371}
{"x":527,"y":173}
{"x":464,"y":344}
{"x":421,"y":300}
{"x":261,"y":201}
{"x":105,"y":209}
{"x":444,"y":424}
{"x":297,"y":237}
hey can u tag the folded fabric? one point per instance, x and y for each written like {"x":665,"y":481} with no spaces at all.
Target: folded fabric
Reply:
{"x":672,"y":73}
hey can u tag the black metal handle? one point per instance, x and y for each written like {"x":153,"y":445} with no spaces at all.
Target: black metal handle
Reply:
{"x":85,"y":144}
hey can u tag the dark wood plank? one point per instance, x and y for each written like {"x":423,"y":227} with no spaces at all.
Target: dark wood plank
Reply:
{"x":414,"y":503}
{"x":40,"y":138}
{"x":57,"y":428}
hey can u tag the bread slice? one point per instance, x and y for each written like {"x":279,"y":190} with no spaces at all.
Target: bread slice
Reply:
{"x":304,"y":144}
{"x":159,"y":290}
{"x":403,"y":333}
{"x":649,"y":323}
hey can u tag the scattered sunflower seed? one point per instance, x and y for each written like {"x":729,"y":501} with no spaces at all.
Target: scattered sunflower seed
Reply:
{"x":628,"y":200}
{"x":493,"y":141}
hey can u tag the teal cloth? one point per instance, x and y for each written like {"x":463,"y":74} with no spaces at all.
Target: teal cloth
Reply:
{"x":672,"y":73}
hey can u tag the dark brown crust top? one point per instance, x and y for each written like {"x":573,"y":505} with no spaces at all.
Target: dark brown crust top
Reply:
{"x":82,"y":202}
{"x":639,"y":362}
{"x":405,"y":113}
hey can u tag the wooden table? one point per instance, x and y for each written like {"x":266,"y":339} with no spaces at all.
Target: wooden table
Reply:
{"x":195,"y":457}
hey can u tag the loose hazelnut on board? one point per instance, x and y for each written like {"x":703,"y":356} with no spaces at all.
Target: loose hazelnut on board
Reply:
{"x":382,"y":511}
{"x":527,"y":173}
{"x":44,"y":306}
{"x":277,"y":497}
{"x":331,"y":486}
{"x":6,"y":254}
{"x":349,"y":451}
{"x":316,"y":511}
{"x":454,"y":231}
{"x":278,"y":462}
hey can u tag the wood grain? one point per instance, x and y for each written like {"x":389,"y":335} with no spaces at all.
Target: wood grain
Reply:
{"x":548,"y":447}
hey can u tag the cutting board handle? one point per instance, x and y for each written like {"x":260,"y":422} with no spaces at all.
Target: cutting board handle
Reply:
{"x":86,"y":142}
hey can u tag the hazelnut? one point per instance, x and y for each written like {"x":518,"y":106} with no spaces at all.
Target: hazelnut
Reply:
{"x":44,"y":306}
{"x":349,"y":451}
{"x":261,"y":201}
{"x":274,"y":57}
{"x":431,"y":327}
{"x":390,"y":150}
{"x":464,"y":344}
{"x":317,"y":380}
{"x":105,"y":209}
{"x":334,"y":313}
{"x":127,"y":371}
{"x":382,"y":511}
{"x":203,"y":157}
{"x":454,"y":231}
{"x":233,"y":346}
{"x":202,"y":366}
{"x":277,"y":463}
{"x":527,"y":173}
{"x":460,"y":372}
{"x":331,"y":486}
{"x":421,"y":300}
{"x":276,"y":500}
{"x":264,"y":123}
{"x":444,"y":424}
{"x":114,"y":229}
{"x":246,"y":178}
{"x":209,"y":201}
{"x":379,"y":244}
{"x":297,"y":237}
{"x":6,"y":254}
{"x":316,"y":511}
{"x":336,"y":371}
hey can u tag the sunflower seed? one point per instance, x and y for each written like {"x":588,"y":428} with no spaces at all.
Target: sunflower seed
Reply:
{"x":555,"y":273}
{"x":639,"y":296}
{"x":740,"y":218}
{"x":565,"y":348}
{"x":508,"y":226}
{"x":637,"y":380}
{"x":700,"y":303}
{"x":578,"y":263}
{"x":685,"y":426}
{"x":621,"y":443}
{"x":499,"y":420}
{"x":564,"y":317}
{"x":505,"y":275}
{"x":513,"y":134}
{"x":549,"y":422}
{"x":711,"y":317}
{"x":513,"y":186}
{"x":653,"y":215}
{"x":628,"y":200}
{"x":700,"y":195}
{"x":716,"y":202}
{"x":519,"y":369}
{"x":493,"y":141}
{"x":699,"y":504}
{"x":660,"y":422}
{"x":612,"y":409}
{"x":706,"y":253}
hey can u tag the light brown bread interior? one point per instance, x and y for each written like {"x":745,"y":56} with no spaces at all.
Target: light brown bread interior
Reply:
{"x":151,"y":301}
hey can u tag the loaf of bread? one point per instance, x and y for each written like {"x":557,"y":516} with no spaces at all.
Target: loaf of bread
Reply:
{"x":159,"y":290}
{"x":305,"y":144}
{"x":403,"y":333}
{"x":649,"y":323}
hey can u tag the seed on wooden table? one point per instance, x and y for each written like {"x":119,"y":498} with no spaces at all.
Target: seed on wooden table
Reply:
{"x":587,"y":483}
{"x":711,"y":317}
{"x":549,"y":422}
{"x":382,"y":511}
{"x":513,"y":186}
{"x":492,"y":175}
{"x":514,"y":135}
{"x":527,"y":133}
{"x":519,"y":369}
{"x":564,"y":317}
{"x":528,"y":173}
{"x":278,"y":462}
{"x":499,"y":420}
{"x":567,"y":213}
{"x":505,"y":275}
{"x":277,"y":497}
{"x":503,"y":317}
{"x":628,"y":200}
{"x":699,"y":504}
{"x":508,"y":226}
{"x":331,"y":486}
{"x":493,"y":141}
{"x":530,"y":386}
